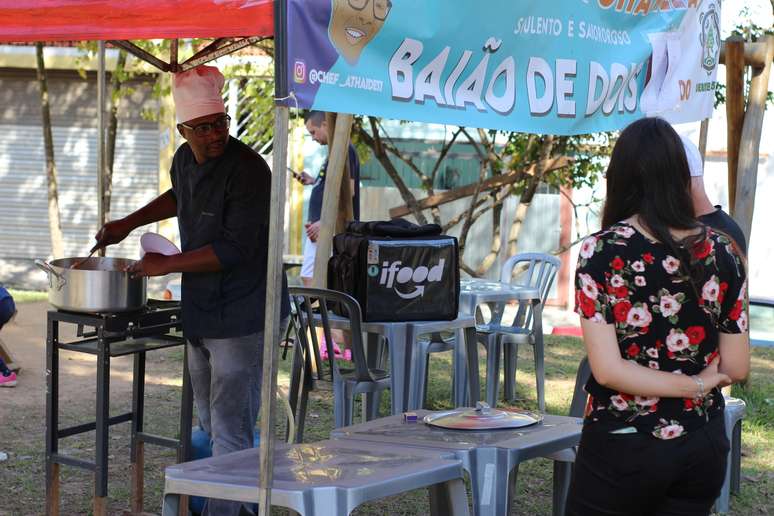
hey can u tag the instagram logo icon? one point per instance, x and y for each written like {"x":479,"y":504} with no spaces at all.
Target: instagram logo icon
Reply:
{"x":299,"y":71}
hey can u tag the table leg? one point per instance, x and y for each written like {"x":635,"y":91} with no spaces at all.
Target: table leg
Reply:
{"x":52,"y":417}
{"x":460,"y":365}
{"x":449,"y":499}
{"x":471,"y":355}
{"x":397,"y":340}
{"x":490,"y":482}
{"x":102,"y":428}
{"x":137,"y":454}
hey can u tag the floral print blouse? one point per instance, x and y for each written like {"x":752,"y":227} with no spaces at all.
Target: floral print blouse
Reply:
{"x":624,"y":278}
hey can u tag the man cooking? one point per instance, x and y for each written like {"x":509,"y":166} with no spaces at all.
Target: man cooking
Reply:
{"x":220,"y":195}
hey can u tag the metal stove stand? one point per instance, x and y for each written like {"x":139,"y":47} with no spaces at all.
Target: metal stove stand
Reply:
{"x":157,"y":326}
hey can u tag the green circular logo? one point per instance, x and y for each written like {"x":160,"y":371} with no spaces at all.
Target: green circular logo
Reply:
{"x":373,"y":271}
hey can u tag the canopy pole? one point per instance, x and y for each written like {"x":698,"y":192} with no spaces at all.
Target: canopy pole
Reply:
{"x":274,"y":274}
{"x":271,"y":329}
{"x":101,"y":94}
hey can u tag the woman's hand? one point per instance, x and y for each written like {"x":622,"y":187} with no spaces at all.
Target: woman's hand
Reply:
{"x":712,"y":377}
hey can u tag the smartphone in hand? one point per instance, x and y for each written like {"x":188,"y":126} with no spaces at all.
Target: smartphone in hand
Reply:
{"x":296,"y":175}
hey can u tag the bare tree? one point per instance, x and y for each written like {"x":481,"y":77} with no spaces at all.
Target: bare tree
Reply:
{"x":54,"y":221}
{"x":116,"y":85}
{"x":510,"y":164}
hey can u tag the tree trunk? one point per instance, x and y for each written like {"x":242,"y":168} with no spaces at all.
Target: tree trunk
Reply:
{"x":525,"y":200}
{"x":494,"y":250}
{"x":110,"y":151}
{"x":54,"y":223}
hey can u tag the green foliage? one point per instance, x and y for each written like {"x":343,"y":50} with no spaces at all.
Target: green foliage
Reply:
{"x":589,"y":151}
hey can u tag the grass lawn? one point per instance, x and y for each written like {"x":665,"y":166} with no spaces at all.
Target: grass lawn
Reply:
{"x":27,"y":296}
{"x":22,"y":486}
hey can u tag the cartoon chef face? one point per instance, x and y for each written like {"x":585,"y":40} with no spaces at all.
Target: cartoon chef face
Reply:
{"x":354,"y":23}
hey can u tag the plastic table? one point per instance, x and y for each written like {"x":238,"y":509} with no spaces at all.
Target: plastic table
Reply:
{"x":491,"y":458}
{"x":323,"y":478}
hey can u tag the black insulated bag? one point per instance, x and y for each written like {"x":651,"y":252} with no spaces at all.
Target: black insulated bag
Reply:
{"x":397,"y":271}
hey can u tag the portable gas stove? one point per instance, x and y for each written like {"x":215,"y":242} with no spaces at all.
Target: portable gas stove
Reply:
{"x":156,"y":326}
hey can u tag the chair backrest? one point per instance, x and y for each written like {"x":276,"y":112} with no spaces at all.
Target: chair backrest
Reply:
{"x":313,"y":307}
{"x":534,"y":270}
{"x":579,"y":396}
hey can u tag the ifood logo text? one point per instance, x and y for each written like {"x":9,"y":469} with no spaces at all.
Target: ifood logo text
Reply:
{"x":393,"y":273}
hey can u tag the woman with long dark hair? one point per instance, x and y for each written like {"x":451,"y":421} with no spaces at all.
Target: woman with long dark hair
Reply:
{"x":663,"y":307}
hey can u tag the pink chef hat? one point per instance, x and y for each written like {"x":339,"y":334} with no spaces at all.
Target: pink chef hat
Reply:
{"x":197,"y":93}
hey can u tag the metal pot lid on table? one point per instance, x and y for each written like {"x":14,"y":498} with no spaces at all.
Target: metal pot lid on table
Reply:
{"x":483,"y":417}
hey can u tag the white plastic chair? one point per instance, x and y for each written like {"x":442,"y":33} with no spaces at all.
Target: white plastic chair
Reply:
{"x":539,"y":271}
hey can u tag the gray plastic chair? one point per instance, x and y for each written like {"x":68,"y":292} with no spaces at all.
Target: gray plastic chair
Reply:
{"x":527,"y":326}
{"x":347,"y":383}
{"x":733,"y":415}
{"x":323,"y":478}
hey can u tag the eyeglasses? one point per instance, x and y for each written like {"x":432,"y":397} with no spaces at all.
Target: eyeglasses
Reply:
{"x":381,"y":7}
{"x":220,"y":124}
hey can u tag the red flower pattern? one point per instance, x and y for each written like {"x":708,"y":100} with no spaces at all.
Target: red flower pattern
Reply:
{"x":621,"y":310}
{"x":695,"y":334}
{"x":736,"y":311}
{"x":619,"y":258}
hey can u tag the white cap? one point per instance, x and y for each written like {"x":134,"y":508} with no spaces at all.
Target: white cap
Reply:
{"x":197,"y":93}
{"x":695,"y":163}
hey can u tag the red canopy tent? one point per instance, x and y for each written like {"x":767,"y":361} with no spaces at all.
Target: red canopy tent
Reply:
{"x":234,"y":24}
{"x":56,"y":20}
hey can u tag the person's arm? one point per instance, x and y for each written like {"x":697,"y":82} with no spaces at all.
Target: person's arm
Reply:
{"x":614,"y":372}
{"x":735,"y":356}
{"x":734,"y":346}
{"x":161,"y":208}
{"x":203,"y":259}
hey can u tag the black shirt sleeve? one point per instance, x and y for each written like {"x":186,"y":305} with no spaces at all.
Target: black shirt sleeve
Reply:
{"x":733,"y":284}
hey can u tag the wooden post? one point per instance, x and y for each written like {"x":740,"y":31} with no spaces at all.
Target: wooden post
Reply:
{"x":137,"y":470}
{"x":744,"y":204}
{"x":734,"y":109}
{"x":337,"y":158}
{"x":271,"y":330}
{"x":703,"y":132}
{"x":52,"y":497}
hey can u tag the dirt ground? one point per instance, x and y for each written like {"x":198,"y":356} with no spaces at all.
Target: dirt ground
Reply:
{"x":22,"y":411}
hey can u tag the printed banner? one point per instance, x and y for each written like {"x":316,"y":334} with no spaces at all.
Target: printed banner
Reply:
{"x":558,"y":66}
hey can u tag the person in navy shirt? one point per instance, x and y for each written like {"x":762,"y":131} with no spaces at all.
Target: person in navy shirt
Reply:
{"x":318,"y":129}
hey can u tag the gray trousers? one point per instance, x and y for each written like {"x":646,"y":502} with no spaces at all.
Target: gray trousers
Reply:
{"x":226,"y":380}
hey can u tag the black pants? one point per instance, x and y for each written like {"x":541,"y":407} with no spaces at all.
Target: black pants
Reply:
{"x":637,"y":474}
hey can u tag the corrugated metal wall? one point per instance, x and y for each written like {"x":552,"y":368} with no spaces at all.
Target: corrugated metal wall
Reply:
{"x":24,"y":231}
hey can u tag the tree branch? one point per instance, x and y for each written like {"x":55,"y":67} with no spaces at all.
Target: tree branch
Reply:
{"x":377,"y":146}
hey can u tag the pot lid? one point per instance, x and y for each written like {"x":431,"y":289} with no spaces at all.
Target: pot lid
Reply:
{"x":483,"y":417}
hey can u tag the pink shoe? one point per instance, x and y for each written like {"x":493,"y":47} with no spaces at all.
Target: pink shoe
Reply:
{"x":337,"y":353}
{"x":8,"y":381}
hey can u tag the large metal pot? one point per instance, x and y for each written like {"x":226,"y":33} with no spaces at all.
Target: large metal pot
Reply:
{"x":97,"y":285}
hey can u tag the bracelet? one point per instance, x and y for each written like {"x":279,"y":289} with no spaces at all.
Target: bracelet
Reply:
{"x":699,"y":385}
